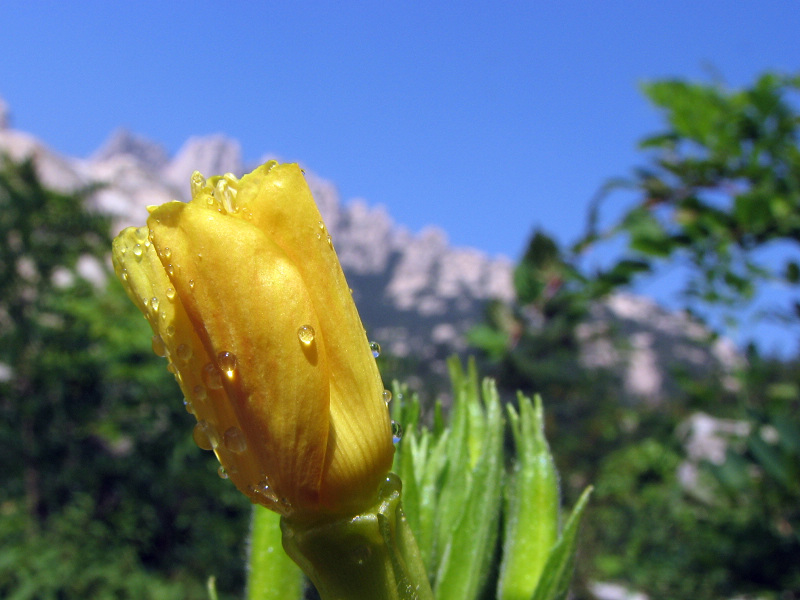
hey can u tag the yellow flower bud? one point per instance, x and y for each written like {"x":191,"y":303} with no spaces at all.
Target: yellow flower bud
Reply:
{"x":248,"y":302}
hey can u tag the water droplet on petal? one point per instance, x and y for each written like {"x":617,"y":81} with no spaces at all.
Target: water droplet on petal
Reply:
{"x":187,"y":404}
{"x":330,"y":241}
{"x":170,"y":293}
{"x":170,"y":270}
{"x":306,"y":334}
{"x":154,"y":304}
{"x":387,"y":396}
{"x":376,"y":349}
{"x":158,"y":346}
{"x":137,"y":250}
{"x":263,"y":490}
{"x":222,"y":473}
{"x":227,"y":363}
{"x":203,"y":434}
{"x":397,"y":432}
{"x":211,"y":377}
{"x":167,"y":253}
{"x":198,"y":182}
{"x":199,"y":392}
{"x":184,"y":352}
{"x":233,"y":439}
{"x":191,"y":284}
{"x":226,"y":194}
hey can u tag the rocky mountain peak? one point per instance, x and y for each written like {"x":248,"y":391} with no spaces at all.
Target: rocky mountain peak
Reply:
{"x":122,"y":142}
{"x":417,"y":295}
{"x":211,"y":155}
{"x":5,"y":114}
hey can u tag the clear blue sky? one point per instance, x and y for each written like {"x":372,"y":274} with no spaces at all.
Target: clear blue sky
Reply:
{"x":485,"y":119}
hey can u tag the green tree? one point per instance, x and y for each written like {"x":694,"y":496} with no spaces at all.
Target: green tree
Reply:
{"x":104,"y":493}
{"x":719,"y":194}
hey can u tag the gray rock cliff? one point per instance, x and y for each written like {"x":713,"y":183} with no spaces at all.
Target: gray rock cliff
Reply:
{"x":417,"y":295}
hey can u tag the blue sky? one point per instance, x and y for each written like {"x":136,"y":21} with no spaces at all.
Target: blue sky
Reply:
{"x":485,"y":119}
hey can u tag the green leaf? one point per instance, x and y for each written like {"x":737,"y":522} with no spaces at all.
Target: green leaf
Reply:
{"x":560,"y":565}
{"x":792,"y":272}
{"x":532,"y":508}
{"x":470,"y":542}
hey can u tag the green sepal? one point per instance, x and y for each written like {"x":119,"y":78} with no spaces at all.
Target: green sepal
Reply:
{"x":557,"y":573}
{"x":532,"y":504}
{"x":370,"y":555}
{"x":469,"y":548}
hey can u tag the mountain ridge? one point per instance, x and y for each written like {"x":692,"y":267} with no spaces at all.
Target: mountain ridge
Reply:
{"x":417,"y":295}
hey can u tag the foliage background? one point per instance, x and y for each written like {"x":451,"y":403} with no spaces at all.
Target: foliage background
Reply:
{"x":105,"y":494}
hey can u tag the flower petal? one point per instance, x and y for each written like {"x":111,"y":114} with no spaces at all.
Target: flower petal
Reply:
{"x":244,"y":297}
{"x":279,"y":202}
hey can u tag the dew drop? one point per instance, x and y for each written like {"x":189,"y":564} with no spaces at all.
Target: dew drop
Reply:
{"x":137,"y":250}
{"x":397,"y":432}
{"x":154,"y":304}
{"x":142,"y":233}
{"x":167,"y":253}
{"x":376,"y":349}
{"x":226,"y":194}
{"x":199,"y":392}
{"x":330,"y":241}
{"x":170,"y":293}
{"x":321,"y":225}
{"x":124,"y":274}
{"x":306,"y":334}
{"x":361,"y":554}
{"x":233,"y":439}
{"x":227,"y":363}
{"x":223,"y":474}
{"x":158,"y":346}
{"x":187,"y":404}
{"x":191,"y":284}
{"x":170,"y":330}
{"x":172,"y":368}
{"x":184,"y":352}
{"x":211,"y":377}
{"x":387,"y":396}
{"x":263,"y":490}
{"x":198,"y":182}
{"x":203,"y":434}
{"x":170,"y":270}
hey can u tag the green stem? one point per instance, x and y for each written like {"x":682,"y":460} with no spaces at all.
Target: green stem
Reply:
{"x":271,"y":574}
{"x":371,"y":555}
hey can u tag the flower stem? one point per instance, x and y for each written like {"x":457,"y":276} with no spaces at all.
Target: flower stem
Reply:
{"x":370,"y":555}
{"x":271,"y":574}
